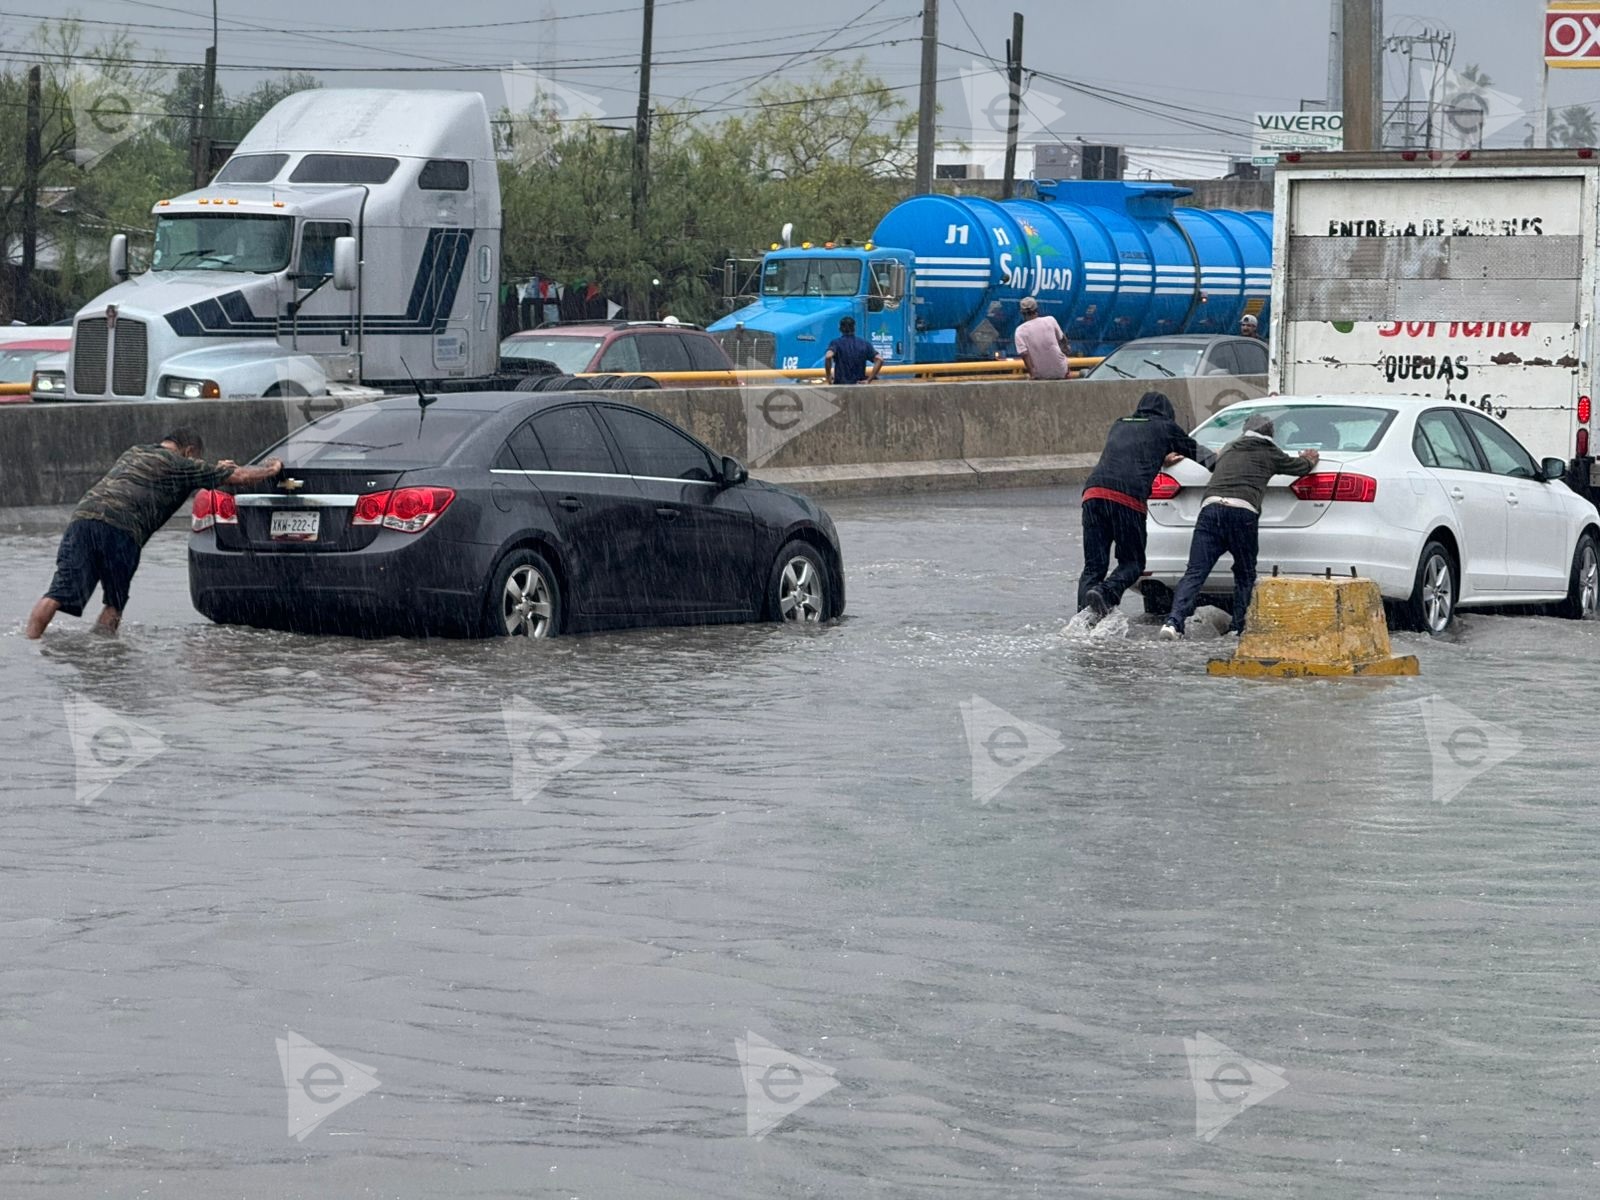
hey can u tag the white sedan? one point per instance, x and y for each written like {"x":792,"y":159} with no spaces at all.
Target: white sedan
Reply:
{"x":1434,"y":501}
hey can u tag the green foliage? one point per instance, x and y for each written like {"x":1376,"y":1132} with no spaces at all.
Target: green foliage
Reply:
{"x":1573,"y":126}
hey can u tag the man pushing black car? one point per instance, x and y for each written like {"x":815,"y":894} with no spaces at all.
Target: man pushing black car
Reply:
{"x":1114,"y":498}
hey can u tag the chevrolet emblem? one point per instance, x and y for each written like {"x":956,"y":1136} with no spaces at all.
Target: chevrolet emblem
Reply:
{"x":292,"y":485}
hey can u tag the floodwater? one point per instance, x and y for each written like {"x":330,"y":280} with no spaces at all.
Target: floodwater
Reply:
{"x":1363,"y":914}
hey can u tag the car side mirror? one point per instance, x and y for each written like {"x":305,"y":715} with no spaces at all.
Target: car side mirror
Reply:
{"x":1553,"y":469}
{"x":346,"y":268}
{"x":733,"y":471}
{"x":874,"y":303}
{"x":117,"y":263}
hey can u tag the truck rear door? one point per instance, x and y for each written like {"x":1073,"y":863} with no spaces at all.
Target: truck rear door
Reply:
{"x":1468,"y":284}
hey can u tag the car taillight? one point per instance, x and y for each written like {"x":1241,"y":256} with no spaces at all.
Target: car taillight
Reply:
{"x":408,"y":509}
{"x":1329,"y":485}
{"x":370,"y":508}
{"x":201,"y":516}
{"x":225,"y":507}
{"x":1164,"y":487}
{"x":1583,"y":410}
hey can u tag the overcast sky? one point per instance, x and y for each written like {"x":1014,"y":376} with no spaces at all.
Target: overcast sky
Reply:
{"x":1198,"y":70}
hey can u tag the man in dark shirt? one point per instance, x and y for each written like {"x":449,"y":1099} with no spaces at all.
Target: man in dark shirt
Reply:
{"x":117,"y":516}
{"x":1230,"y":517}
{"x":847,"y":357}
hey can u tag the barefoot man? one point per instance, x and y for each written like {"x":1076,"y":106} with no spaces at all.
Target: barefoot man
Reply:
{"x":116,"y":517}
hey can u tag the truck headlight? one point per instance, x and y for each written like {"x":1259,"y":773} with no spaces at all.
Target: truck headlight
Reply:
{"x":176,"y":387}
{"x":47,"y":385}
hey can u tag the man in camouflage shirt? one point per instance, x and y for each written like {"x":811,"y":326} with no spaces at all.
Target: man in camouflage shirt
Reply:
{"x":117,"y":516}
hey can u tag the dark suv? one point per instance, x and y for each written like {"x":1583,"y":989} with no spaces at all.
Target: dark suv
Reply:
{"x":613,"y":348}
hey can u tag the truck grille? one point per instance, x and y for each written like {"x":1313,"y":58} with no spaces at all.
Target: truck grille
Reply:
{"x":89,"y":357}
{"x":748,"y":348}
{"x":129,"y":368}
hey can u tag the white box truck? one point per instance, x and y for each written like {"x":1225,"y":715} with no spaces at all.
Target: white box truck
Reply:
{"x":1468,"y":276}
{"x":352,"y":238}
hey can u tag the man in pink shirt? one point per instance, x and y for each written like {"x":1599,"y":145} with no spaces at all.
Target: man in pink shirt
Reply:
{"x":1040,"y":343}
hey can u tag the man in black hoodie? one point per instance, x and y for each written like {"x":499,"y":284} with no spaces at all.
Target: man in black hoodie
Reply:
{"x":1230,"y":515}
{"x":1114,"y":498}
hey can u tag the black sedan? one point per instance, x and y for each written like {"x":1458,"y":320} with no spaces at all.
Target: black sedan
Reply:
{"x":505,"y":513}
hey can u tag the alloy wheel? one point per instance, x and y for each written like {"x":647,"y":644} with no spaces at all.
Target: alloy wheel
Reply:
{"x":1588,"y":581}
{"x":1437,"y":599}
{"x":800,"y":591}
{"x":525,"y":605}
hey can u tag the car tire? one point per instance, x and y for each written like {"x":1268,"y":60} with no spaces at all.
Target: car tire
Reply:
{"x":1583,"y":590}
{"x":798,"y":587}
{"x":532,"y":383}
{"x":603,"y":383}
{"x":1157,"y":598}
{"x":1431,"y":608}
{"x":571,"y":384}
{"x":524,"y":598}
{"x":637,"y":383}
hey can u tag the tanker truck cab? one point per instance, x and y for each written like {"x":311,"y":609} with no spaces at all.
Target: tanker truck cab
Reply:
{"x":805,"y":292}
{"x":353,"y":237}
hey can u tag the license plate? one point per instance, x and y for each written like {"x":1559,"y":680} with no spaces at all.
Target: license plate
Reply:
{"x":295,"y":526}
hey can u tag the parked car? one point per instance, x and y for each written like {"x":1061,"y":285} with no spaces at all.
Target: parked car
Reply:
{"x":505,"y":513}
{"x":1435,"y":501}
{"x":1183,"y":356}
{"x":18,"y":361}
{"x":617,"y":348}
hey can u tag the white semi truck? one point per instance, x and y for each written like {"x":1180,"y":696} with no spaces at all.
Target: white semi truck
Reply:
{"x":1468,"y":276}
{"x":352,"y":238}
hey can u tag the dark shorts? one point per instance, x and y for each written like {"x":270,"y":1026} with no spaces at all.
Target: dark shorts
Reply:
{"x":93,"y":552}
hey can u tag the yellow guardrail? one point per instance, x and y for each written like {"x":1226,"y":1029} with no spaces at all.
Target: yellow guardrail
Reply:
{"x":1000,"y":368}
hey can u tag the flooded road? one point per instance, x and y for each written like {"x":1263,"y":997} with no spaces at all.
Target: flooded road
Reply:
{"x":1158,"y":935}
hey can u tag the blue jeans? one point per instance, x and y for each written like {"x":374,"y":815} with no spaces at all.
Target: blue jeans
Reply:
{"x":1222,"y":529}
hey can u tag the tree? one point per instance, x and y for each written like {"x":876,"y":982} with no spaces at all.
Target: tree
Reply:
{"x":1573,"y":126}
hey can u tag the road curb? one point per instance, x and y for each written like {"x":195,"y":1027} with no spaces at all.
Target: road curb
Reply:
{"x":939,"y":475}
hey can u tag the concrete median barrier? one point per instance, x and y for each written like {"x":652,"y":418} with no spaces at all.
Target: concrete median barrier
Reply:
{"x":1302,"y":627}
{"x":882,"y":438}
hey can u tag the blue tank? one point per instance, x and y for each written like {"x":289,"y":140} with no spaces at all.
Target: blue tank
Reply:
{"x":1110,"y":261}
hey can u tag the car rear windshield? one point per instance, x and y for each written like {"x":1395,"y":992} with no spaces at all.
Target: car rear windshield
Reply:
{"x":1342,"y":428}
{"x":570,"y":354}
{"x":378,"y":437}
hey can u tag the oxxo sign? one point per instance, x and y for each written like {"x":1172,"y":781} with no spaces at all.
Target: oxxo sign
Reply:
{"x":1572,"y":35}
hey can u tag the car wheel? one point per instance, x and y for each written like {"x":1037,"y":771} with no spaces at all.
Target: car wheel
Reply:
{"x":524,"y":598}
{"x":637,"y":383}
{"x":283,"y":389}
{"x":798,"y":587}
{"x":1157,"y":598}
{"x":1583,"y":593}
{"x":1432,"y":606}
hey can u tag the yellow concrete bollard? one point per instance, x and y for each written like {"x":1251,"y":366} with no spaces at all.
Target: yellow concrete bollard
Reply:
{"x":1321,"y":627}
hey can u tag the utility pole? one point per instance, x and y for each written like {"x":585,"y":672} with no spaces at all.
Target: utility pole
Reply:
{"x":202,"y":155}
{"x":929,"y":96}
{"x":1014,"y":69}
{"x":1363,"y":74}
{"x":638,"y":301}
{"x":23,"y":305}
{"x":1335,"y":100}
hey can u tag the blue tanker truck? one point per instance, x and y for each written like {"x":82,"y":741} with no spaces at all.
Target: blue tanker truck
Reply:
{"x":942,"y":277}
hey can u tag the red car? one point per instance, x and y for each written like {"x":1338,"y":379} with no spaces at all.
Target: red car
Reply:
{"x":615,"y":348}
{"x":17,"y":361}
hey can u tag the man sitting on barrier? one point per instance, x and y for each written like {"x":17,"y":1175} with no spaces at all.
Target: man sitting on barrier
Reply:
{"x":1230,"y":517}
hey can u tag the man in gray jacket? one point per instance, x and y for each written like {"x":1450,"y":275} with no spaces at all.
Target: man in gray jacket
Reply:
{"x":1230,"y":516}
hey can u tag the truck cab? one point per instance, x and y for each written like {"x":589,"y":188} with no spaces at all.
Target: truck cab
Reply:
{"x":806,"y":290}
{"x":353,"y":237}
